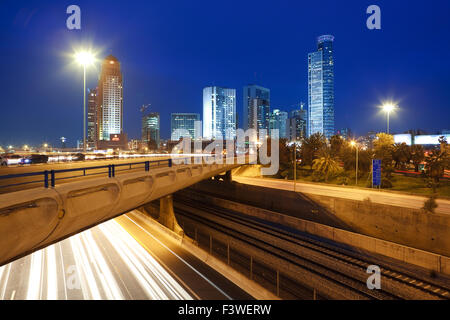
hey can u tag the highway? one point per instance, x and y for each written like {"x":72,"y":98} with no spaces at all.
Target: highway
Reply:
{"x":382,"y":197}
{"x":117,"y":260}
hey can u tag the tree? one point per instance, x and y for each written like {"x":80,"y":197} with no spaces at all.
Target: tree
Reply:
{"x":435,"y":164}
{"x":401,"y":154}
{"x":383,"y":150}
{"x":348,"y":157}
{"x":336,"y":143}
{"x":285,"y":156}
{"x":311,"y":148}
{"x":326,"y":166}
{"x":417,"y":156}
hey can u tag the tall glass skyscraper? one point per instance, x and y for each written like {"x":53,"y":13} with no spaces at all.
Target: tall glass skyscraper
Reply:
{"x":256,"y":109}
{"x":297,"y":124}
{"x":110,"y":99}
{"x":219,"y":113}
{"x":150,"y":130}
{"x":184,"y":121}
{"x":92,"y":122}
{"x":321,"y":88}
{"x":279,"y":121}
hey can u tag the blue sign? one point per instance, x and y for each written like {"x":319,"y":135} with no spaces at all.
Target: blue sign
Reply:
{"x":376,"y":172}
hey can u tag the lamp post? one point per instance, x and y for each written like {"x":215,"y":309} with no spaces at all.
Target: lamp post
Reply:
{"x":354,"y":144}
{"x":388,"y":108}
{"x":85,"y":59}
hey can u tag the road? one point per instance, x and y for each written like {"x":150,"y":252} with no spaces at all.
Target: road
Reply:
{"x":382,"y":197}
{"x":108,"y":262}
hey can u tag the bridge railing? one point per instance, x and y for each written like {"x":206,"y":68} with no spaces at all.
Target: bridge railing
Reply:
{"x":49,"y":177}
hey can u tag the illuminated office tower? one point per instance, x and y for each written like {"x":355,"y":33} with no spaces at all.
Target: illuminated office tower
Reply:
{"x":186,"y":122}
{"x":110,"y":99}
{"x":256,"y":107}
{"x":219,"y":113}
{"x":279,"y":121}
{"x":321,"y":88}
{"x":92,"y":123}
{"x":150,"y":130}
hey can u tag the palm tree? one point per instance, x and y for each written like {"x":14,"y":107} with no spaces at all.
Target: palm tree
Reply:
{"x":326,"y":166}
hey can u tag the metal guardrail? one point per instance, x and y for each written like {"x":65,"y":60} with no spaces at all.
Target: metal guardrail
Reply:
{"x":50,"y":176}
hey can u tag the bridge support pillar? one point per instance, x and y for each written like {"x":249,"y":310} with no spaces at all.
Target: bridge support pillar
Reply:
{"x":167,"y":215}
{"x":228,"y":177}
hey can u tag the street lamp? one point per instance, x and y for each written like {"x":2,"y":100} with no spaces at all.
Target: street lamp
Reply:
{"x":84,"y":58}
{"x":354,"y":144}
{"x":388,"y":108}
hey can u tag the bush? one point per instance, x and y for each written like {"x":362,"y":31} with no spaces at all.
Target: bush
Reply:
{"x":430,"y":205}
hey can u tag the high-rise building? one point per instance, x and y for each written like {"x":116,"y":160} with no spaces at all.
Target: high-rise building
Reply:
{"x":321,"y":88}
{"x":219,"y":113}
{"x":110,"y":99}
{"x":345,"y":133}
{"x":184,"y":121}
{"x":150,"y":130}
{"x":279,"y":120}
{"x":256,"y":109}
{"x":298,"y":124}
{"x":92,"y":123}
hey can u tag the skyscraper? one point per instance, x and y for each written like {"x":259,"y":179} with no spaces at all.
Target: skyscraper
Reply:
{"x":92,"y":123}
{"x":256,"y":109}
{"x":150,"y":130}
{"x":321,"y":88}
{"x":184,"y":121}
{"x":279,"y":121}
{"x":298,"y":124}
{"x":219,"y":113}
{"x":110,"y":99}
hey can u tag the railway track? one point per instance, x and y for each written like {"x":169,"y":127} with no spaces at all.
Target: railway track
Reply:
{"x":334,"y":264}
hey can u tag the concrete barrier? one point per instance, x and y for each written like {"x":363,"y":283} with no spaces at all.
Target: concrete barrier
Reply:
{"x":414,"y":256}
{"x":251,"y":287}
{"x":32,"y":219}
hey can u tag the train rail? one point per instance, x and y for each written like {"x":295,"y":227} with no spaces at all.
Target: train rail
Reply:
{"x":342,"y":266}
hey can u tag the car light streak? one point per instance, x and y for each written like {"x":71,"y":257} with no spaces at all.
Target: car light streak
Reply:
{"x":90,"y":256}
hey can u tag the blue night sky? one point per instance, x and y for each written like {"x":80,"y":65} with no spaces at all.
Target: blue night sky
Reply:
{"x":170,"y":50}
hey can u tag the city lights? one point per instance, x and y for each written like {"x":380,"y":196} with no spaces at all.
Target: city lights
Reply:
{"x":85,"y":58}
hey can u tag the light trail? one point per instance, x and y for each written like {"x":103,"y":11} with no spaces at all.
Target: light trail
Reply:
{"x":103,"y":263}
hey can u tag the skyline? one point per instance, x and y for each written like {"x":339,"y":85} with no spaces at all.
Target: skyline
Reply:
{"x":178,"y":68}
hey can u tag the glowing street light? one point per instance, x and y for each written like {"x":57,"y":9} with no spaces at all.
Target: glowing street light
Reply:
{"x":84,"y":58}
{"x":353,"y":143}
{"x":388,"y":108}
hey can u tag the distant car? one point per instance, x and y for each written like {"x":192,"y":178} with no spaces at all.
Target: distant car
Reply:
{"x":78,"y":157}
{"x":11,"y":159}
{"x":35,"y":158}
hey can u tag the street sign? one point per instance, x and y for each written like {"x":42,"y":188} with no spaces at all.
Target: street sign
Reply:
{"x":376,"y":172}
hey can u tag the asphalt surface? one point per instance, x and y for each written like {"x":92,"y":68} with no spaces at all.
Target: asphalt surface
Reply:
{"x":108,"y":262}
{"x":382,"y":197}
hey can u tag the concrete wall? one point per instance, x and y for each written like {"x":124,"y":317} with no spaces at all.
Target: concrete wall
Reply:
{"x":409,"y":227}
{"x":424,"y":259}
{"x":32,"y":219}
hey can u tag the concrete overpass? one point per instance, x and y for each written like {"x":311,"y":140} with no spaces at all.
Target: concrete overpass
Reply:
{"x":35,"y":218}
